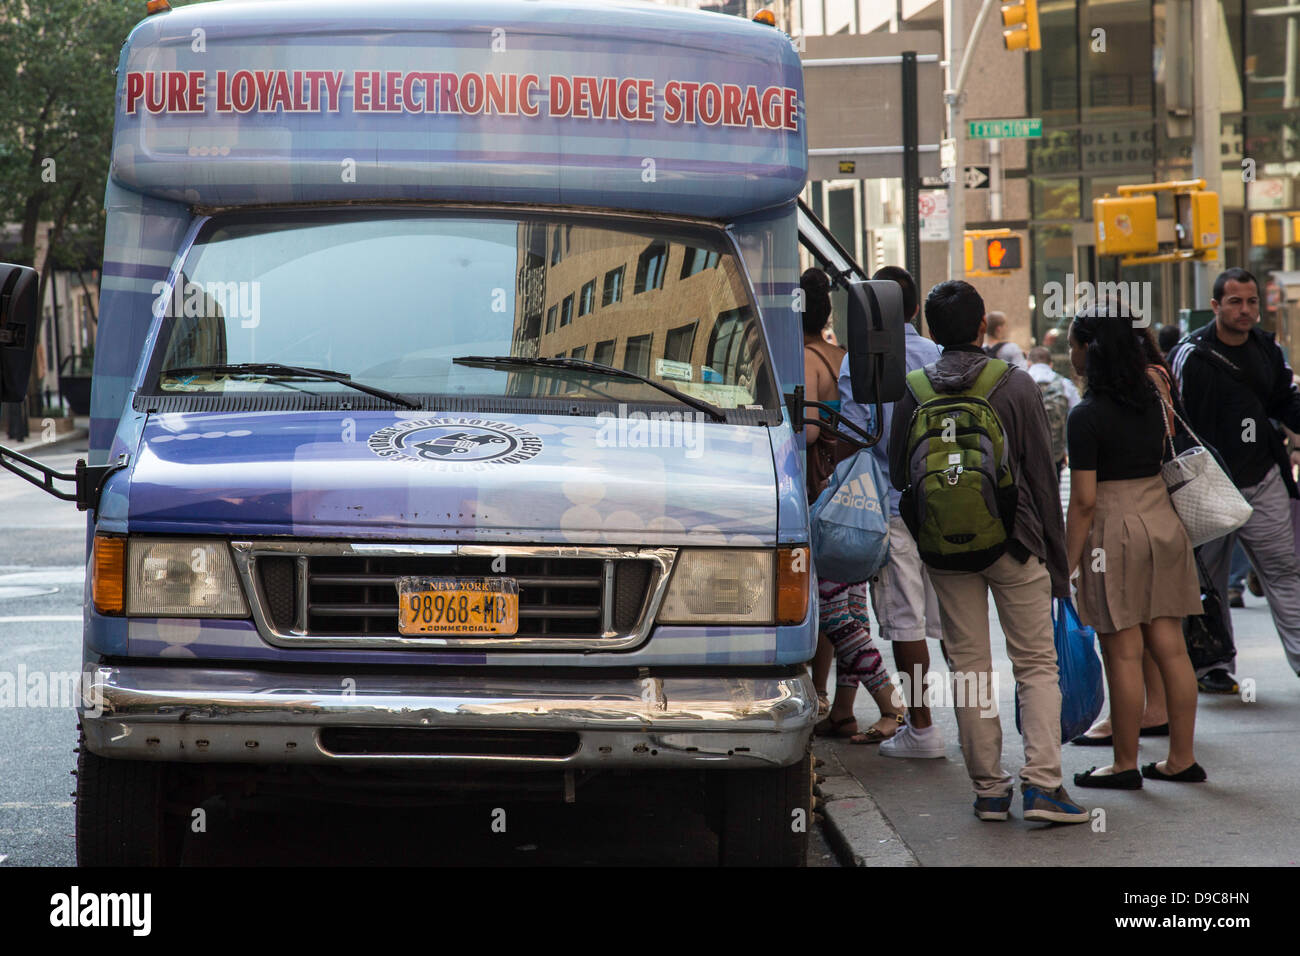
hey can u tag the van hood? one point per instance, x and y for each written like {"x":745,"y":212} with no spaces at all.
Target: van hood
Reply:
{"x":449,"y":476}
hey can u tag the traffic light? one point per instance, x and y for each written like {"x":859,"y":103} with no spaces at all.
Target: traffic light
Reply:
{"x":970,"y":254}
{"x":1123,"y":225}
{"x":1196,"y":220}
{"x":1265,"y":230}
{"x":1021,"y":16}
{"x":1003,"y":252}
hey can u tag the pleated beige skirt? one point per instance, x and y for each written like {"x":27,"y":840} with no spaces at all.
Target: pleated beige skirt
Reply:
{"x":1137,"y":564}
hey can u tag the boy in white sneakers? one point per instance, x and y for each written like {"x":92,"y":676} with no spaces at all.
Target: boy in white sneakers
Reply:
{"x":901,"y":594}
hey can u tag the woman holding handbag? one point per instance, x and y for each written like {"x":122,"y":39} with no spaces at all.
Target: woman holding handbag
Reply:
{"x":844,"y":628}
{"x":1137,"y":577}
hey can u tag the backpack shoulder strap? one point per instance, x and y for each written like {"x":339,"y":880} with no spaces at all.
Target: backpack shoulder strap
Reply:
{"x":989,"y":378}
{"x":918,"y":383}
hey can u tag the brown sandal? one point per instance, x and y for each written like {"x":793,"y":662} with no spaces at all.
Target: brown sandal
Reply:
{"x":836,"y":728}
{"x":873,"y":736}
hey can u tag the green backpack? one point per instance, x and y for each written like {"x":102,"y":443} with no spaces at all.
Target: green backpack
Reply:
{"x":960,"y":502}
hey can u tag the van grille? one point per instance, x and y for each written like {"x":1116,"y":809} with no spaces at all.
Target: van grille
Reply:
{"x":354,"y":595}
{"x":346,"y":595}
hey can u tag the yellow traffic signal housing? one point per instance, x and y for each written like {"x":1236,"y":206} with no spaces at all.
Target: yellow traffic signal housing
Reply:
{"x":1197,"y":220}
{"x":970,"y":254}
{"x":1021,"y":16}
{"x":1265,"y":230}
{"x":1124,"y":225}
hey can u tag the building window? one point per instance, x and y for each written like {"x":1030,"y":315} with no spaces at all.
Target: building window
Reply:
{"x":566,"y":311}
{"x":587,"y":298}
{"x":580,"y":352}
{"x":613,"y":291}
{"x":550,"y":318}
{"x":604,"y":354}
{"x":637,"y":357}
{"x":697,"y":260}
{"x":726,"y":343}
{"x":650,"y":268}
{"x":555,"y":247}
{"x":679,"y":342}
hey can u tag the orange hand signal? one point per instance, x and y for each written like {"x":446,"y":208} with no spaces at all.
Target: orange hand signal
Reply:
{"x":997,"y":252}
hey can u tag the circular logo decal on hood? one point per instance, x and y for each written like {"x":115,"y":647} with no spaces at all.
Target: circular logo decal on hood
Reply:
{"x":456,"y":441}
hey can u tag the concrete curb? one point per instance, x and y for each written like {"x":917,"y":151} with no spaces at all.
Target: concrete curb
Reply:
{"x":856,"y":830}
{"x":27,"y":448}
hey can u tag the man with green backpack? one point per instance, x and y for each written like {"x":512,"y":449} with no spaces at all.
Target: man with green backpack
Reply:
{"x":980,"y":496}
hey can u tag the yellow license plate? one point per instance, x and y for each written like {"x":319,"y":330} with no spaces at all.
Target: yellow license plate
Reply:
{"x":457,"y":606}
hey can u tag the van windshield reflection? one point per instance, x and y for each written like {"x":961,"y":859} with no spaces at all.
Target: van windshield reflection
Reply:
{"x":390,"y":299}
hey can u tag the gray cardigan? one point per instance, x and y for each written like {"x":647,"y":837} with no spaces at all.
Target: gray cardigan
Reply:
{"x":1038,"y":527}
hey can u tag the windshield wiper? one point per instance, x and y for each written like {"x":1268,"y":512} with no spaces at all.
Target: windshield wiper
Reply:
{"x":275,"y":368}
{"x":582,"y":365}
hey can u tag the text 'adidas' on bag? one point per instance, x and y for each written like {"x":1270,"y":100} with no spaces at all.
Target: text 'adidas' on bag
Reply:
{"x":960,"y":503}
{"x":850,"y":522}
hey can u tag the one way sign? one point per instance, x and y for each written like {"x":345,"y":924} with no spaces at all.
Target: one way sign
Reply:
{"x":977,"y":177}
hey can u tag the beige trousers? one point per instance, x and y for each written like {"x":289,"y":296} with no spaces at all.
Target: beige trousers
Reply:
{"x":1023,"y":595}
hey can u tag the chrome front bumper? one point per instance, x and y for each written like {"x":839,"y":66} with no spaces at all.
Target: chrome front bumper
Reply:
{"x":205,"y":715}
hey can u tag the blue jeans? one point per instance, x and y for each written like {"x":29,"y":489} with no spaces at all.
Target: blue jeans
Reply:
{"x":1239,"y":569}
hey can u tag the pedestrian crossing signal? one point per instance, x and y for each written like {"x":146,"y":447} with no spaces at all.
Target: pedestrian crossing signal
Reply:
{"x":1003,"y":252}
{"x":1021,"y":16}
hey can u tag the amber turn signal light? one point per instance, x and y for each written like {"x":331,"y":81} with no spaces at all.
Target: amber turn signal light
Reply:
{"x":792,"y":582}
{"x":108,"y":575}
{"x":156,"y":6}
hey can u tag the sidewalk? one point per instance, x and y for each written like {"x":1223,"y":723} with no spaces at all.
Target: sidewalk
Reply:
{"x":1246,"y":814}
{"x":34,"y":443}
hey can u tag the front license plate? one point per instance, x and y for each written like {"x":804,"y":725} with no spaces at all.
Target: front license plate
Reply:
{"x":451,"y":606}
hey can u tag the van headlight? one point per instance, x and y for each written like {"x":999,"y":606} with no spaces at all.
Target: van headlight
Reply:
{"x":737,"y":586}
{"x":182,"y":578}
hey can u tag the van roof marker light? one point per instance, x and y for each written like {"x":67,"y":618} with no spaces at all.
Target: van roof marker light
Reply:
{"x":763,"y":16}
{"x":157,"y":6}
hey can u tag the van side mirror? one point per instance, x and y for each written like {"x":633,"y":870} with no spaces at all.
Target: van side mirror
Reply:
{"x":877,"y":356}
{"x":18,"y":328}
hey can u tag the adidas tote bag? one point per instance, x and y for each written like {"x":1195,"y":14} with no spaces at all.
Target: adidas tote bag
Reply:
{"x":850,"y":522}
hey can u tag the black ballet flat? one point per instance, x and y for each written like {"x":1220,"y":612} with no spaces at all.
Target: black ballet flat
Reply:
{"x":1124,"y":780}
{"x":1193,"y":774}
{"x":1083,"y":740}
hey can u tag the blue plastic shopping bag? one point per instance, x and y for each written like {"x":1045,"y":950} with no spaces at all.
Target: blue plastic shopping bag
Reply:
{"x":1083,"y":691}
{"x":850,"y":522}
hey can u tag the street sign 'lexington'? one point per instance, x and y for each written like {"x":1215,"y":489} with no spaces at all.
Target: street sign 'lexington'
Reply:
{"x":1031,"y":128}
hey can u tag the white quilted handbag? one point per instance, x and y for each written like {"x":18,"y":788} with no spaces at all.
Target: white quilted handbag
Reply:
{"x":1207,"y":502}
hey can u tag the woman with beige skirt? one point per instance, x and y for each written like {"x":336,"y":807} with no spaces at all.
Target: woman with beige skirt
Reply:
{"x":1137,"y":574}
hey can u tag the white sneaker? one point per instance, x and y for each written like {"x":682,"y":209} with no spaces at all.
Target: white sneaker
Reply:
{"x":910,"y":742}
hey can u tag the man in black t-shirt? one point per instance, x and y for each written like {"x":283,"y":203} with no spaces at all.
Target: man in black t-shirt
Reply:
{"x":1234,"y":379}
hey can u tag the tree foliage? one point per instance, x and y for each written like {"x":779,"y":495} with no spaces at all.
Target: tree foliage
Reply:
{"x":57,"y":64}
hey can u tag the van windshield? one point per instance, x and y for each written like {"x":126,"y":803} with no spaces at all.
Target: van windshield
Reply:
{"x":389,"y":299}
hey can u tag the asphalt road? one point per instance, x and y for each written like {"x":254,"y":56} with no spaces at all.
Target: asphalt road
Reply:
{"x":42,"y":544}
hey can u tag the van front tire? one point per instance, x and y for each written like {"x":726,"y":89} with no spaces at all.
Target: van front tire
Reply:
{"x":121,"y":817}
{"x":765,"y":816}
